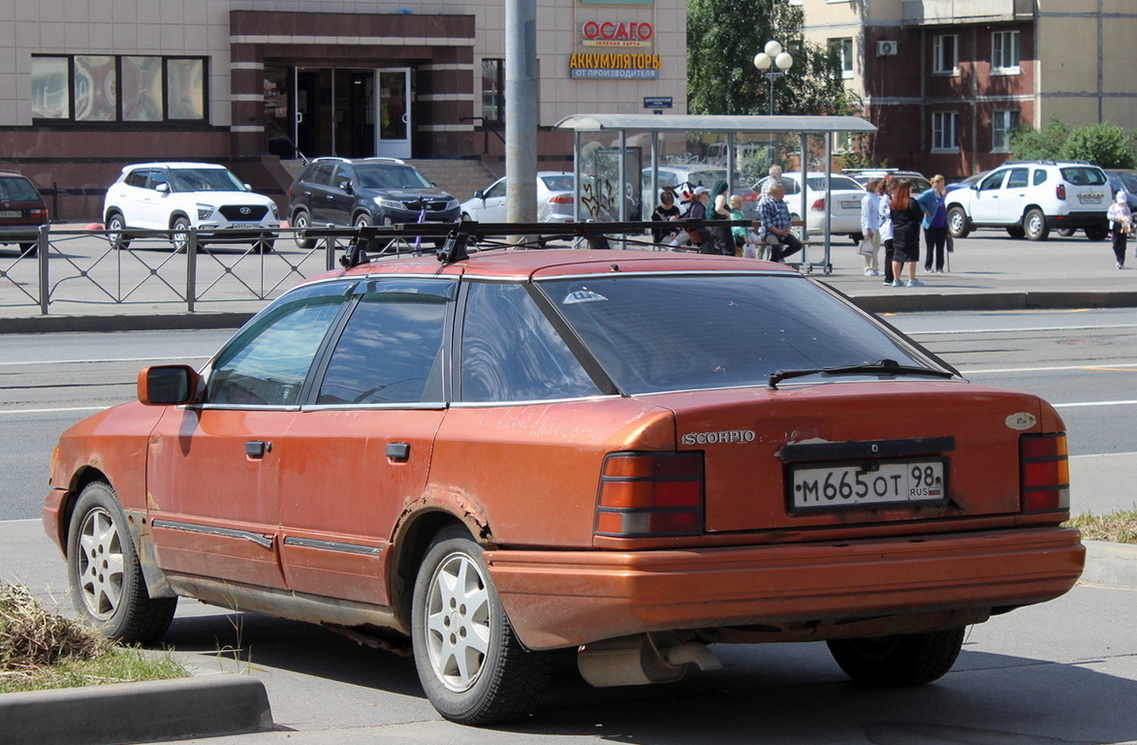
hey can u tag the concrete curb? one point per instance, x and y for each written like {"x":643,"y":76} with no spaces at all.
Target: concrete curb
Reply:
{"x":155,"y":711}
{"x":1112,"y":564}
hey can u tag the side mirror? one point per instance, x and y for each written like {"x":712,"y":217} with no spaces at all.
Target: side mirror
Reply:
{"x":163,"y":187}
{"x":479,"y":194}
{"x":345,"y":185}
{"x":168,"y":385}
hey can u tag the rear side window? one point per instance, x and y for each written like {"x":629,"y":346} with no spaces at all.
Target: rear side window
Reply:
{"x":390,"y":352}
{"x":511,"y":352}
{"x":678,"y":332}
{"x":137,"y":178}
{"x":1040,"y":176}
{"x":1083,"y":176}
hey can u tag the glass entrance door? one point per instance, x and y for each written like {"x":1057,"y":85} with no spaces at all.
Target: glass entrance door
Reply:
{"x":394,"y":112}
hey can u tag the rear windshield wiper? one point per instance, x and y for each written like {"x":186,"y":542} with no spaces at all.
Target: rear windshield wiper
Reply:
{"x":886,"y":367}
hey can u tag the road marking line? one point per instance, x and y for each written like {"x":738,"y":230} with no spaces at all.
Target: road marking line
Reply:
{"x":1094,"y":403}
{"x":1023,"y":329}
{"x":1118,"y":366}
{"x":92,"y":362}
{"x":54,"y":411}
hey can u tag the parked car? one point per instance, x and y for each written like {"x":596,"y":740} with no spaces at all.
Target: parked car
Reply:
{"x":366,"y":191}
{"x":1124,"y":180}
{"x":681,"y":180}
{"x":22,"y":211}
{"x":1032,"y":198}
{"x":177,"y":196}
{"x":967,"y":182}
{"x":843,"y":217}
{"x":554,"y":199}
{"x":863,"y":175}
{"x":631,"y":454}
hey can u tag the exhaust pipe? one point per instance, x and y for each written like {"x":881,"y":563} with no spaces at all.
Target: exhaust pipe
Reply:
{"x":636,"y":660}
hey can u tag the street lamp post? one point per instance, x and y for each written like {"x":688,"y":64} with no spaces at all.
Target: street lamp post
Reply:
{"x":766,"y":61}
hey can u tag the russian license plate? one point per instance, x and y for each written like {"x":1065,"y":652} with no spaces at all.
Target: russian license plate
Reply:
{"x":11,"y":213}
{"x":244,"y":225}
{"x":868,"y":484}
{"x":850,"y":205}
{"x":1090,"y":198}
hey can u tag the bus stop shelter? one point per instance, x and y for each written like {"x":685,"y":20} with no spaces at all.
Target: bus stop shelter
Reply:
{"x":629,"y":178}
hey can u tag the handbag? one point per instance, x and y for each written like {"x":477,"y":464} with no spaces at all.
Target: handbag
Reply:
{"x":866,"y":248}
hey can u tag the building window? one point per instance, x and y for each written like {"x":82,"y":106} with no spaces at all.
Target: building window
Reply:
{"x":493,"y":90}
{"x":944,"y":128}
{"x":844,"y":48}
{"x":1005,"y":53}
{"x":945,"y":54}
{"x":1003,"y":125}
{"x":119,"y":88}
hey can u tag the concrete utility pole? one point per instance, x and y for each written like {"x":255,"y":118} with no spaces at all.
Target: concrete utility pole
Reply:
{"x":521,"y":110}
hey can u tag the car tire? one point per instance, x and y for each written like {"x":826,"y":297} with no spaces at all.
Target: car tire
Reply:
{"x":29,"y":249}
{"x":264,"y":245}
{"x":1034,"y":225}
{"x":1097,"y":234}
{"x":106,"y":579}
{"x":116,"y":232}
{"x":362,"y":221}
{"x":471,"y":664}
{"x":959,"y":226}
{"x":301,"y":221}
{"x":179,"y":234}
{"x":900,"y":659}
{"x":1015,"y":231}
{"x":1066,"y":232}
{"x":857,"y":238}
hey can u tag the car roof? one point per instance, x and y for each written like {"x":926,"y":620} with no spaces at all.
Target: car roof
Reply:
{"x":548,"y":263}
{"x":172,"y":164}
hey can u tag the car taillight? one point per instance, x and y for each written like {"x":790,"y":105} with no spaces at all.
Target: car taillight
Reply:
{"x":650,"y":494}
{"x":561,"y":199}
{"x":1060,"y":191}
{"x":1045,"y":473}
{"x":38,"y":213}
{"x":819,"y":205}
{"x":751,"y":197}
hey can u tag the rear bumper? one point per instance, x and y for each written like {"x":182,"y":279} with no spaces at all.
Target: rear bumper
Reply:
{"x":559,"y":599}
{"x":1078,"y":220}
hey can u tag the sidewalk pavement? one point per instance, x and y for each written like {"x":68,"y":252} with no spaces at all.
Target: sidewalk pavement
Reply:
{"x":988,"y":271}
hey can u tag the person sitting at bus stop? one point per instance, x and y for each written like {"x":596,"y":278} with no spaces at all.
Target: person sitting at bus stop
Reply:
{"x":775,"y":230}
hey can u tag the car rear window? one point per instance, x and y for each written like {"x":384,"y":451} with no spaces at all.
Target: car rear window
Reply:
{"x":1083,"y":176}
{"x":837,"y":183}
{"x":18,"y":189}
{"x":558,"y":183}
{"x":681,"y":332}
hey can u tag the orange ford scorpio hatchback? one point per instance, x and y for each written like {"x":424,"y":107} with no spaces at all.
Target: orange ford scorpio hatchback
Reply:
{"x":629,"y":453}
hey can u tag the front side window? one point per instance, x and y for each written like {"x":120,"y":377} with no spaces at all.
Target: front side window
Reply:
{"x":497,"y":190}
{"x":511,"y":352}
{"x":994,"y":181}
{"x":1005,"y":53}
{"x":266,"y":364}
{"x":945,"y":54}
{"x":119,"y":88}
{"x":390,"y":351}
{"x":678,"y":332}
{"x":1003,"y":125}
{"x":945,"y":125}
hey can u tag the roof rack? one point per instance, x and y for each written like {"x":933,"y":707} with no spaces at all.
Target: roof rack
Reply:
{"x":458,"y":237}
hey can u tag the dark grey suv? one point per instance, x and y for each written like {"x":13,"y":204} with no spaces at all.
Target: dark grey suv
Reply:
{"x":367,"y":191}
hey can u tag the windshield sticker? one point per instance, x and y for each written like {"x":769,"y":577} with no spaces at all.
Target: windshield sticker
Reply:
{"x":584,"y":295}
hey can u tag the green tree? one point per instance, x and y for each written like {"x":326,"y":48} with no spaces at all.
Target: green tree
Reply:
{"x":1044,"y":143}
{"x":1102,"y":144}
{"x":722,"y":38}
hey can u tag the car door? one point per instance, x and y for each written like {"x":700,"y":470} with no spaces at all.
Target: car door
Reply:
{"x":213,"y":468}
{"x":1013,"y":200}
{"x":987,"y":202}
{"x":317,"y":191}
{"x":492,"y":207}
{"x":360,"y":451}
{"x":131,"y":195}
{"x":340,"y":198}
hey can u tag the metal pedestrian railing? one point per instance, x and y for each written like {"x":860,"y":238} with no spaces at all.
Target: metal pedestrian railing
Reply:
{"x":89,"y":266}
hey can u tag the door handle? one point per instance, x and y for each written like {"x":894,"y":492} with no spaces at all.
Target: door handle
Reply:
{"x":398,"y":452}
{"x":257,"y":448}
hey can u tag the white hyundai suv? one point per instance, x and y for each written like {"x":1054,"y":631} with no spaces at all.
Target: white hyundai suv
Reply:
{"x":1032,"y":198}
{"x":175,"y":197}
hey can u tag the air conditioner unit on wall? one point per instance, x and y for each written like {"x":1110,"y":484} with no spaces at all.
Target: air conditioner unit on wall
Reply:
{"x":887,"y":48}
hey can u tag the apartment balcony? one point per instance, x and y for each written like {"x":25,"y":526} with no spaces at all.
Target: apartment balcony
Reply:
{"x":946,"y":12}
